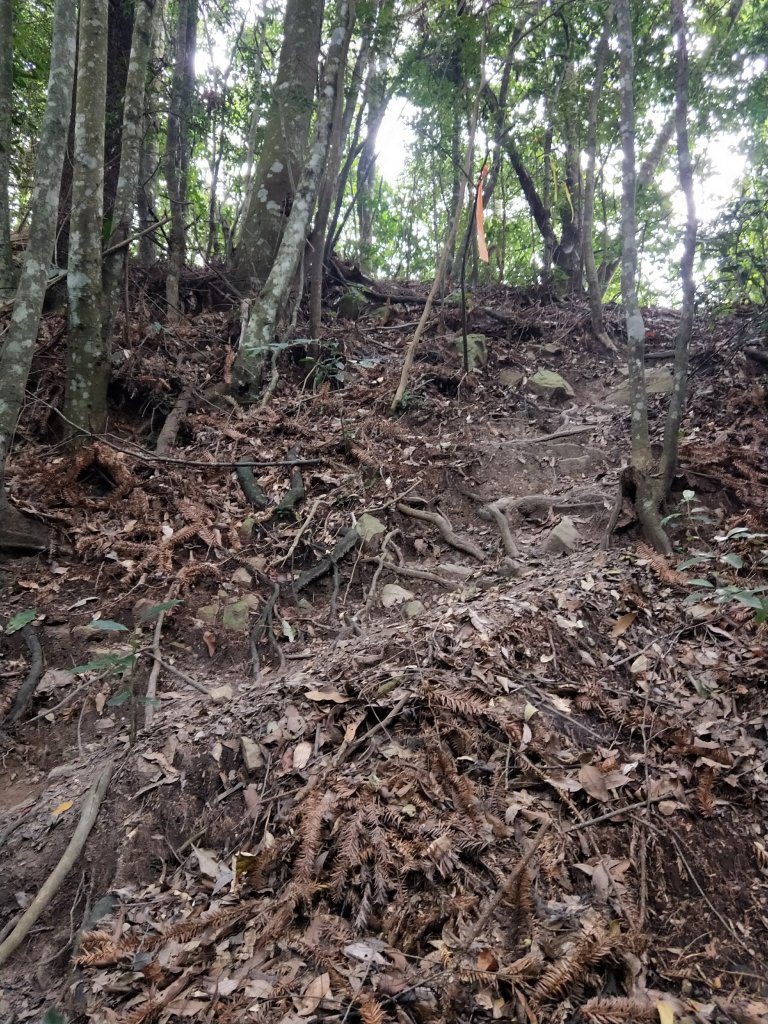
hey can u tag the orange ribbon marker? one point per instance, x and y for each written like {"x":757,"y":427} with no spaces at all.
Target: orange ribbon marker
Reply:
{"x":482,"y":248}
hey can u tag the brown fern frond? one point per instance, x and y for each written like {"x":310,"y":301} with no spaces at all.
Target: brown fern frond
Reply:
{"x":662,"y":568}
{"x":309,"y":844}
{"x":705,"y":798}
{"x":189,"y":574}
{"x":615,"y":1009}
{"x":526,"y":967}
{"x":571,"y":968}
{"x":473,"y":976}
{"x":371,"y":1010}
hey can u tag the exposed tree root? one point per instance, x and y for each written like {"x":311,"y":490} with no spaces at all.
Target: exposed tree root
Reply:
{"x":167,"y":436}
{"x":446,"y":530}
{"x":29,"y":685}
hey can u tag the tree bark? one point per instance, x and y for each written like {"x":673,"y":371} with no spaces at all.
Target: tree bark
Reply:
{"x":87,"y":362}
{"x":6,"y":101}
{"x":676,"y":408}
{"x":130,"y":159}
{"x":378,"y":100}
{"x":594,"y":290}
{"x":19,"y":344}
{"x":149,"y":159}
{"x":259,"y":333}
{"x":285,"y":145}
{"x":177,"y":152}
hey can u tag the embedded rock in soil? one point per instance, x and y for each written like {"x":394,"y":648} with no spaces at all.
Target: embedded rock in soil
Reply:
{"x":550,"y":385}
{"x":562,"y":538}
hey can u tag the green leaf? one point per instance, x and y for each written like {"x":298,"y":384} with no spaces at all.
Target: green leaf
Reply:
{"x":119,"y":699}
{"x":110,"y":661}
{"x":154,"y":611}
{"x":694,"y":560}
{"x":733,"y":559}
{"x":701,"y":583}
{"x":689,"y":495}
{"x":108,"y":626}
{"x":52,"y":1016}
{"x":749,"y":598}
{"x":20,"y":620}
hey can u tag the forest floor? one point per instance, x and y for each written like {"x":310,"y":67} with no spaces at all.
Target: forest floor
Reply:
{"x":418,"y":746}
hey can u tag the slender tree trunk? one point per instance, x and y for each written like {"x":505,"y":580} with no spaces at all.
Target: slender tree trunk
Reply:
{"x":327,"y":191}
{"x":19,"y":344}
{"x":366,"y":167}
{"x":253,"y":128}
{"x":149,"y":159}
{"x":285,"y":145}
{"x":259,"y":332}
{"x":130,"y":160}
{"x":685,"y":170}
{"x":177,"y":152}
{"x":6,"y":100}
{"x":87,"y":362}
{"x":588,"y":251}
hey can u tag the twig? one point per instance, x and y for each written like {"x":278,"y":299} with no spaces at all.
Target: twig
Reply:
{"x":302,"y":529}
{"x":177,"y":672}
{"x":417,"y":574}
{"x":505,"y":889}
{"x":379,"y":569}
{"x":50,"y":887}
{"x":345,"y":752}
{"x":151,"y":694}
{"x":169,"y":430}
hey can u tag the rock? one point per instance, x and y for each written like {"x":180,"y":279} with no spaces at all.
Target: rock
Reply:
{"x":237,"y":616}
{"x":20,"y":531}
{"x":368,"y":527}
{"x":658,"y":381}
{"x":351,"y":304}
{"x":412,"y":609}
{"x":562,"y":538}
{"x":392,"y":594}
{"x":209,"y":613}
{"x":242,"y":575}
{"x":550,"y":385}
{"x":477,"y":349}
{"x":510,"y":378}
{"x":252,"y":755}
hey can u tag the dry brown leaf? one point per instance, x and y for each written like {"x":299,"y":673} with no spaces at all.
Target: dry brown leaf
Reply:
{"x":593,"y":781}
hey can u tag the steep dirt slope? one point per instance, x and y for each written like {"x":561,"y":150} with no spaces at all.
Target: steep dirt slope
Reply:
{"x":462,"y":763}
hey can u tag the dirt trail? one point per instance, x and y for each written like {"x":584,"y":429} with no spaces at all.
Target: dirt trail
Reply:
{"x":437,"y":780}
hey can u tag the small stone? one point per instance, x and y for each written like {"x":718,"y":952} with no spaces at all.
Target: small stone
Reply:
{"x":562,"y":538}
{"x":236,"y":616}
{"x":510,"y":378}
{"x":412,"y":609}
{"x":477,"y":349}
{"x":252,"y":755}
{"x":242,"y":575}
{"x":209,"y":613}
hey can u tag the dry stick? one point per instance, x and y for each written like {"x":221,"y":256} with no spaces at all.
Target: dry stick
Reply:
{"x":177,"y":672}
{"x":446,"y":531}
{"x":416,"y":574}
{"x":149,"y":707}
{"x":344,"y":753}
{"x":167,"y":436}
{"x":507,"y":539}
{"x":302,"y":530}
{"x":68,"y":859}
{"x":379,"y":569}
{"x":504,"y":890}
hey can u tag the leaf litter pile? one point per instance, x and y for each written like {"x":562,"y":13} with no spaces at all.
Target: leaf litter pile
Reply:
{"x":394,"y":735}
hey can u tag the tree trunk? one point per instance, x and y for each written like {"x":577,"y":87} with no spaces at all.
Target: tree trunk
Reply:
{"x":149,"y":159}
{"x":87,"y":362}
{"x":588,"y":252}
{"x":259,"y":332}
{"x":6,"y":101}
{"x":327,"y":191}
{"x":366,"y":167}
{"x":253,"y":128}
{"x":177,"y":152}
{"x":130,"y":159}
{"x":19,"y":344}
{"x":285,"y":145}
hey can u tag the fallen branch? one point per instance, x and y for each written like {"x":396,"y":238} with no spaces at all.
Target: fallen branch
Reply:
{"x":29,"y":685}
{"x":416,"y":574}
{"x":151,"y":694}
{"x":446,"y":530}
{"x":343,"y":546}
{"x":169,"y":430}
{"x":50,"y":887}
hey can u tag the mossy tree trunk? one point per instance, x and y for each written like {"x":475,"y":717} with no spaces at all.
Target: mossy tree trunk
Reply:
{"x":284,"y":149}
{"x":259,"y":334}
{"x":19,"y":343}
{"x":177,"y":149}
{"x":87,"y":362}
{"x":6,"y":100}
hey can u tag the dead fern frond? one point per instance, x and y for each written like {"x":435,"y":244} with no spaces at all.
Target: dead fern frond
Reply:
{"x":705,"y":798}
{"x":662,"y":568}
{"x":616,"y":1009}
{"x":309,"y":845}
{"x":371,"y":1010}
{"x":570,"y":969}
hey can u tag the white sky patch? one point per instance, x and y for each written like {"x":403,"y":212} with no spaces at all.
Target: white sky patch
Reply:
{"x":396,"y":139}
